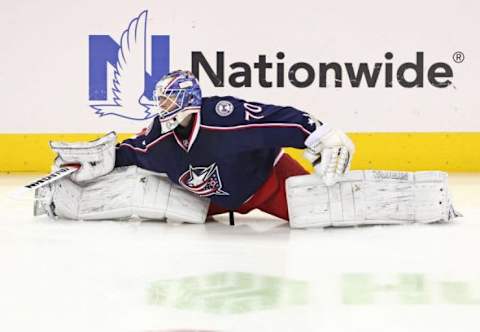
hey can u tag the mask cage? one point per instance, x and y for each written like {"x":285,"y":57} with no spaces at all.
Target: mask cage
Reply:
{"x":165,"y":100}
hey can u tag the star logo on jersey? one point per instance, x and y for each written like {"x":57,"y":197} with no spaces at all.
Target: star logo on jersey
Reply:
{"x":202,"y":181}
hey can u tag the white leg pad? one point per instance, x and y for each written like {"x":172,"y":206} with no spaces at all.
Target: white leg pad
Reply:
{"x":369,"y":197}
{"x":125,"y":192}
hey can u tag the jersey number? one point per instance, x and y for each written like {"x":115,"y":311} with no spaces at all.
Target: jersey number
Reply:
{"x":251,"y":110}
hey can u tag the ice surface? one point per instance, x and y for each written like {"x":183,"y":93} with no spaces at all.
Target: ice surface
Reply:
{"x":256,"y":276}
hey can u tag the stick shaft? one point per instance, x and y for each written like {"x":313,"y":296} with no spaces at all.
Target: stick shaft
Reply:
{"x":54,"y":176}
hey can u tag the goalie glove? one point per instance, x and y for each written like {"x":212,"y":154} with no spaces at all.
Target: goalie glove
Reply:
{"x":330,"y":151}
{"x":95,"y":158}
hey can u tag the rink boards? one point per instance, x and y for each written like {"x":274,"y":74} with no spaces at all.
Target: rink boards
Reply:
{"x":453,"y":151}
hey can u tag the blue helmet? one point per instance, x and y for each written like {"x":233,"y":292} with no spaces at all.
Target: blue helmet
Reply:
{"x":176,"y":92}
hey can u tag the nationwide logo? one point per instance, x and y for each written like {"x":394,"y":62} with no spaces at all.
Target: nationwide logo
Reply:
{"x":202,"y":181}
{"x":276,"y":73}
{"x":229,"y":292}
{"x":120,"y":82}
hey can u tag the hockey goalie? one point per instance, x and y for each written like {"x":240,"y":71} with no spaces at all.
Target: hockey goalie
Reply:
{"x":206,"y":156}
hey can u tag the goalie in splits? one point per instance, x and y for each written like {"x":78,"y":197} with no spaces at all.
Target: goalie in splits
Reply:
{"x":211,"y":155}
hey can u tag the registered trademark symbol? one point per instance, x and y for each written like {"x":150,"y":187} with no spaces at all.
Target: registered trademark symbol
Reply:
{"x":458,"y":57}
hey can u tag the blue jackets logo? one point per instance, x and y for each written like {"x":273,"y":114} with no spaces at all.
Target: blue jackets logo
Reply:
{"x":224,"y":108}
{"x":120,"y":83}
{"x":203,"y":181}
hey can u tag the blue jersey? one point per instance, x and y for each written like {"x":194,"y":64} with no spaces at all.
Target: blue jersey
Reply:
{"x":228,"y":152}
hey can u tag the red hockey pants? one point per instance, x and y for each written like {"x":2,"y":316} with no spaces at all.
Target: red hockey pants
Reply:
{"x":271,"y":196}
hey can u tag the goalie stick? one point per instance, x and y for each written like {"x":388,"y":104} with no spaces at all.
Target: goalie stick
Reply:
{"x":38,"y":183}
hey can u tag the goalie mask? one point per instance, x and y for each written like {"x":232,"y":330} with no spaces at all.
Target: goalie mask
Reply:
{"x":176,"y":95}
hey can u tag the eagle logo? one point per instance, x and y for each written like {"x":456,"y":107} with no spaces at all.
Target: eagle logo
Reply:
{"x":127,"y":81}
{"x":202,"y":181}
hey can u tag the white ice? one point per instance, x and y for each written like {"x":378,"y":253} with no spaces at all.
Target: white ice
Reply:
{"x":256,"y":276}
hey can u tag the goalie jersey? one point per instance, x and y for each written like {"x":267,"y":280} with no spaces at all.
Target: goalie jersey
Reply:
{"x":226,"y":153}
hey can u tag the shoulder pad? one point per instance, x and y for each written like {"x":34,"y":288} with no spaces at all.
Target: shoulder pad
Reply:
{"x":222,"y":111}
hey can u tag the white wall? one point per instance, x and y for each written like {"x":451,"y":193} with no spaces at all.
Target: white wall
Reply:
{"x":44,"y":57}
